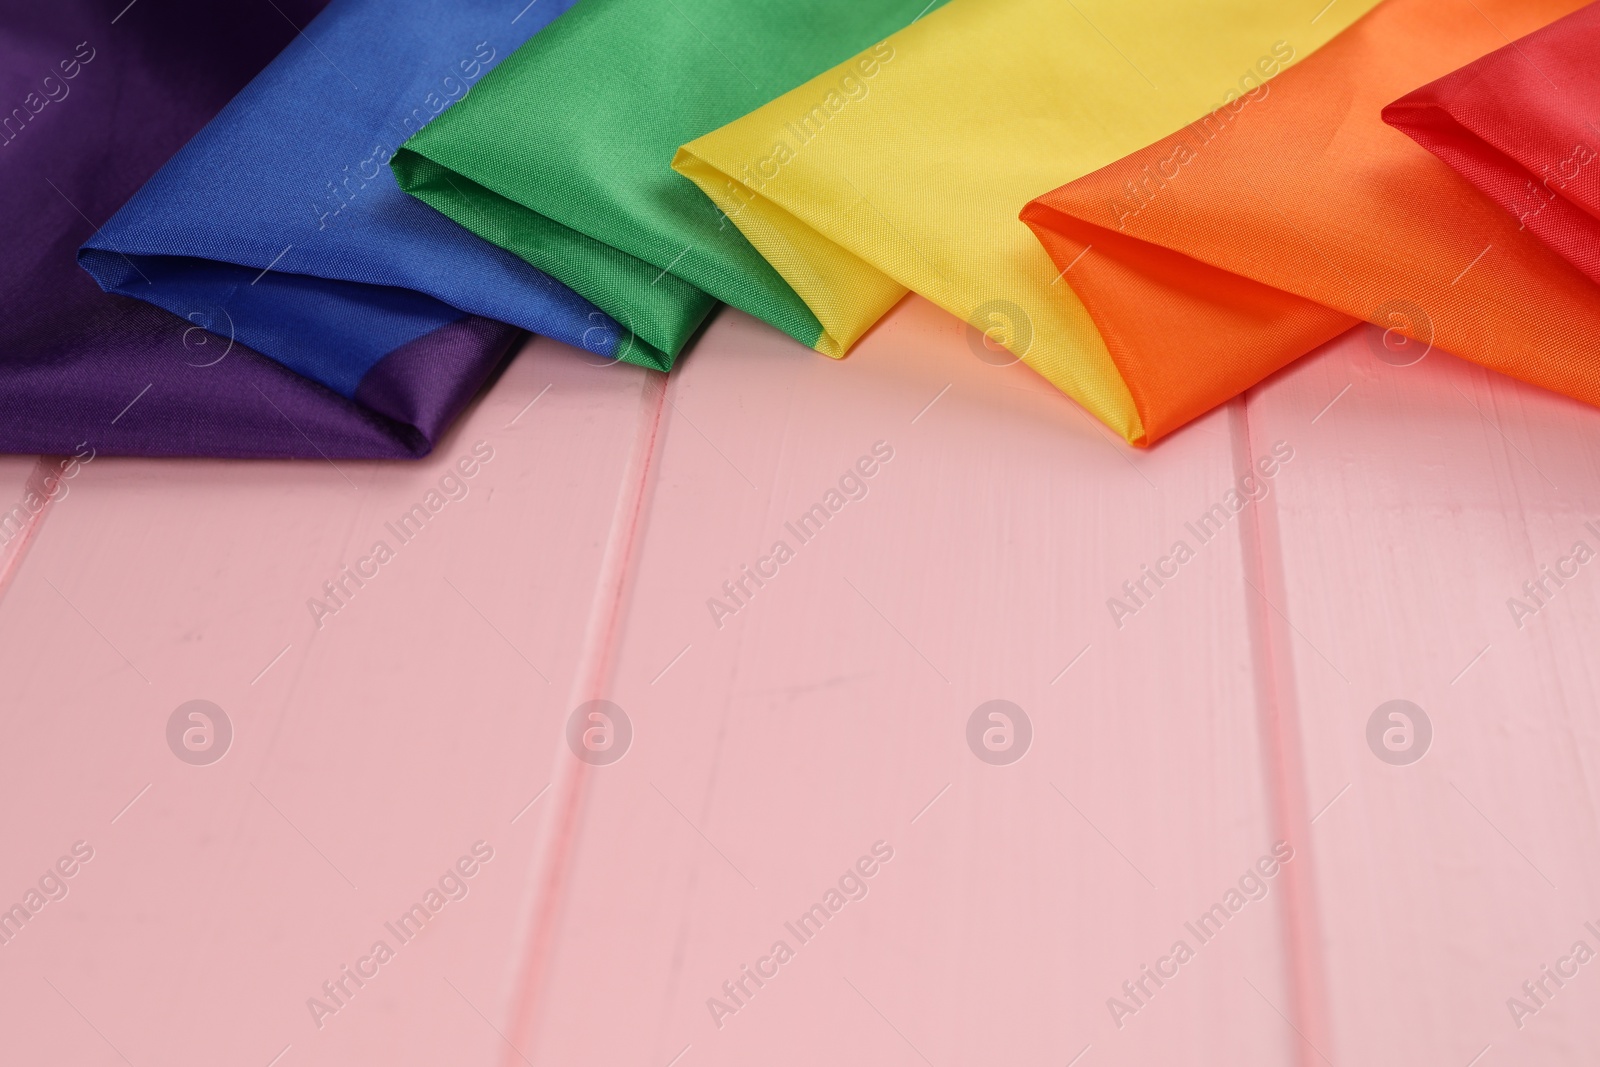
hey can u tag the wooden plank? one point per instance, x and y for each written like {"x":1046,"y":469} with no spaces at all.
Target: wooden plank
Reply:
{"x":1428,"y":495}
{"x":829,"y":713}
{"x":372,"y":748}
{"x":826,"y":714}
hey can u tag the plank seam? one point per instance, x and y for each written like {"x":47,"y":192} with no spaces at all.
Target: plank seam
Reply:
{"x":13,"y":551}
{"x":558,"y":836}
{"x":1282,"y":755}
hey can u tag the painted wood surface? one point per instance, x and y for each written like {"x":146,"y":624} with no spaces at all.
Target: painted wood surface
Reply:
{"x":978,"y":531}
{"x":370,"y":753}
{"x":1431,"y":494}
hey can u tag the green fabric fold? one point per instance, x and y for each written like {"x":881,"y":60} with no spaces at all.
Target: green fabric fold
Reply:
{"x":562,"y":155}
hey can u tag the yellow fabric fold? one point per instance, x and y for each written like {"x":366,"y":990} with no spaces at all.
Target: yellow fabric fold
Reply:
{"x":906,"y":167}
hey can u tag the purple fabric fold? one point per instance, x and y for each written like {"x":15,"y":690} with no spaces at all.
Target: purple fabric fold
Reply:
{"x":92,"y":103}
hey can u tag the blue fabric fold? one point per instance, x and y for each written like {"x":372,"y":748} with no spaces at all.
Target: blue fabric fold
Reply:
{"x":280,"y":223}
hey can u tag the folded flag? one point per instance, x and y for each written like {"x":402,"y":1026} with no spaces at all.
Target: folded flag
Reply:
{"x":562,"y":154}
{"x":1218,"y":255}
{"x":88,"y":112}
{"x":907,"y":165}
{"x":280,"y":225}
{"x":1519,"y":125}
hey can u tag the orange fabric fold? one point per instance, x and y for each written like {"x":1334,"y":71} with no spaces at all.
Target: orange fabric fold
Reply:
{"x":1218,"y":255}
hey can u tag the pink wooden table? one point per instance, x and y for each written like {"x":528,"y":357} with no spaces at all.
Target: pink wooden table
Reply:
{"x":401,"y":858}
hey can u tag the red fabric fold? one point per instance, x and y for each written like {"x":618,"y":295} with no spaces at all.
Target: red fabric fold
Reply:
{"x":1519,"y":124}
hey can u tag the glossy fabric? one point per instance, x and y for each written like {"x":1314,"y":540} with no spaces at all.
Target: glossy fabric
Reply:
{"x":1223,"y":252}
{"x":916,"y":181}
{"x":562,"y":155}
{"x":80,"y":369}
{"x":1518,"y":125}
{"x":280,"y":225}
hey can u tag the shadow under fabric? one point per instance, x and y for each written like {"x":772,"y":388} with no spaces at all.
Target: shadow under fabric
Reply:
{"x":1225,"y":251}
{"x":279,"y":225}
{"x":563,"y":154}
{"x":968,"y":114}
{"x":103,"y":107}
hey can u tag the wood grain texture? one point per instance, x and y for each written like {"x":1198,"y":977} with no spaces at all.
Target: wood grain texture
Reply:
{"x":370,"y":754}
{"x":1175,"y":741}
{"x":1431,"y":494}
{"x":773,"y":751}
